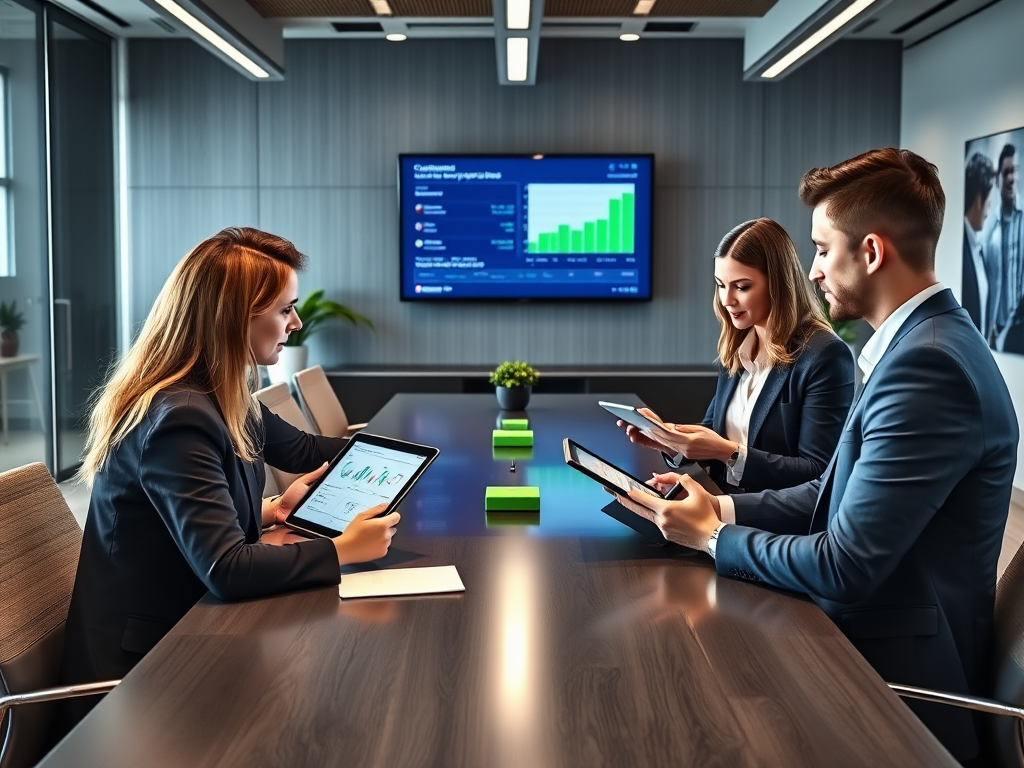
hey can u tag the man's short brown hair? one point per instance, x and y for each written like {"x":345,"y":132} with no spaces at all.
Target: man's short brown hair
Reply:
{"x":890,"y":192}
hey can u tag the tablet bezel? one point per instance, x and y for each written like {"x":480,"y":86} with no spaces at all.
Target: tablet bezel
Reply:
{"x":628,"y":414}
{"x":567,"y":445}
{"x":294,"y":519}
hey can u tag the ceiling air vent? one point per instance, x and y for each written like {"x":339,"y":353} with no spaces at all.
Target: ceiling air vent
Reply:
{"x":670,"y":26}
{"x":357,"y":26}
{"x":164,"y":25}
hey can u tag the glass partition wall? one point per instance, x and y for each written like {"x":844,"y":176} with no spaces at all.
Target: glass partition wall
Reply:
{"x":58,"y":281}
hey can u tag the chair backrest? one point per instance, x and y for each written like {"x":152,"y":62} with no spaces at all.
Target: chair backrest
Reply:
{"x":1008,"y":661}
{"x":279,"y":400}
{"x":317,"y":396}
{"x":39,"y":546}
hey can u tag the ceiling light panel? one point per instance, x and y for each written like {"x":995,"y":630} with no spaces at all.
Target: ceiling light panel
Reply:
{"x":517,"y":50}
{"x":517,"y":14}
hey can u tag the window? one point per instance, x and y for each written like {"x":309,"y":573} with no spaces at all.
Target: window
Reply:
{"x":6,"y":238}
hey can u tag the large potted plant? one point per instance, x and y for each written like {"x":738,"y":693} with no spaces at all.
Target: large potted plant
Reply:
{"x":513,"y":383}
{"x":313,"y":311}
{"x":11,"y":321}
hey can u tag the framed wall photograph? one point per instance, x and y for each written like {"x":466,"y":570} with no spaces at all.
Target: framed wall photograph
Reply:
{"x":993,"y":240}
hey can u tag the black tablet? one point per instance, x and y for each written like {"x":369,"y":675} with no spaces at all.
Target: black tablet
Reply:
{"x":371,"y":470}
{"x":617,"y":481}
{"x":629,"y":414}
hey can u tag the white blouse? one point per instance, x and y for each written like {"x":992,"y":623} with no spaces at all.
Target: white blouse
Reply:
{"x":737,"y":414}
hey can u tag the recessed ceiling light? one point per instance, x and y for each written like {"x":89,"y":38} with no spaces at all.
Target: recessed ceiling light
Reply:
{"x":517,"y":52}
{"x":643,"y":7}
{"x":629,"y":37}
{"x":381,"y":7}
{"x":517,"y":14}
{"x":395,"y":37}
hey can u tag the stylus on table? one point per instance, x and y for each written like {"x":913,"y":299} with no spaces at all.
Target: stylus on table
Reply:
{"x":513,"y":469}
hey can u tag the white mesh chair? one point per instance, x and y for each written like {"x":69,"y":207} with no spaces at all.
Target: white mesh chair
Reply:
{"x":324,"y":409}
{"x":1007,"y":742}
{"x":39,"y":546}
{"x":279,"y":400}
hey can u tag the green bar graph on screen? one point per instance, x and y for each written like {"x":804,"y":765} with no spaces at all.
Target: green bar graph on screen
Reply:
{"x":616,"y":233}
{"x":614,"y":225}
{"x":590,"y":237}
{"x":627,"y":223}
{"x":563,"y":239}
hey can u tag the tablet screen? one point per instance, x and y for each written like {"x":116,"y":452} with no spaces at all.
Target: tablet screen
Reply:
{"x":603,"y":469}
{"x":365,"y":476}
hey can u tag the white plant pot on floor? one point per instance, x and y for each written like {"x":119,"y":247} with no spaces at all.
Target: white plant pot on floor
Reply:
{"x":291,"y":361}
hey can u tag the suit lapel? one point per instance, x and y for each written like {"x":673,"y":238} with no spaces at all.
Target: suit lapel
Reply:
{"x":255,"y":495}
{"x":769,"y":394}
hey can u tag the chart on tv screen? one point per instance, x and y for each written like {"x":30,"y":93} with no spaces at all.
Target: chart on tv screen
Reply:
{"x":518,"y":227}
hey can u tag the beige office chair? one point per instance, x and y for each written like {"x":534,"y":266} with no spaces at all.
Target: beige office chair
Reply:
{"x":325,"y":412}
{"x":39,"y":546}
{"x":1008,"y":664}
{"x":279,"y":400}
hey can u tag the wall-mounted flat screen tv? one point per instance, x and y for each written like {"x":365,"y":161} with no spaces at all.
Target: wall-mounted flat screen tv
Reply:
{"x":521,"y":227}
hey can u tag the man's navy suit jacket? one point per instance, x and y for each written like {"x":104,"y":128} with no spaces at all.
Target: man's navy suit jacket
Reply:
{"x":901,"y":535}
{"x":795,"y":424}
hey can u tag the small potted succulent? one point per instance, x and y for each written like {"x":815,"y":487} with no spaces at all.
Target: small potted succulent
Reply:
{"x":513,"y":383}
{"x":11,"y":321}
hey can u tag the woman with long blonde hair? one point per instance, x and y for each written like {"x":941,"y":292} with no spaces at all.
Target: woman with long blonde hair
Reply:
{"x":785,"y":380}
{"x":175,"y":460}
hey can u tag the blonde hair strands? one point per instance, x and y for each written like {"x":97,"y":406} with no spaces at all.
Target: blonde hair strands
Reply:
{"x":198,"y":329}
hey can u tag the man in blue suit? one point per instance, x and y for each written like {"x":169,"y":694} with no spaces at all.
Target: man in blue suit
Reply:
{"x":899,"y":539}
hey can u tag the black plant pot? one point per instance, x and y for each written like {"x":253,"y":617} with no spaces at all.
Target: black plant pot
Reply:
{"x":513,"y":398}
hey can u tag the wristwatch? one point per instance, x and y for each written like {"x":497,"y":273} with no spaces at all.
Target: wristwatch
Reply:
{"x":734,"y":458}
{"x":712,"y":544}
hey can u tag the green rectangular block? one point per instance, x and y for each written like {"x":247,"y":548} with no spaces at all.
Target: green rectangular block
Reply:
{"x":515,"y":498}
{"x":496,"y":519}
{"x":510,"y":437}
{"x":515,"y":423}
{"x":512,"y":453}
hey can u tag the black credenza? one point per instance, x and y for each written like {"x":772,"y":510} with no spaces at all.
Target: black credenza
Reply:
{"x":680,"y":394}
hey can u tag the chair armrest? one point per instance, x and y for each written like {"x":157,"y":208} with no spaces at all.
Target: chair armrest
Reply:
{"x":353,"y":428}
{"x":967,"y":702}
{"x":54,"y":694}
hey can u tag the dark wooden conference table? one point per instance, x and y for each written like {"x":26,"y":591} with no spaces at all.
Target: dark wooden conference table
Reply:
{"x":576,"y":643}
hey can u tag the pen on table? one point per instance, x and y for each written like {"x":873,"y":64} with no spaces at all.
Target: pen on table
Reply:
{"x":513,"y":469}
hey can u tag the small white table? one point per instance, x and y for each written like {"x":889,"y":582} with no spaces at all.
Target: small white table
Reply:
{"x":9,"y":364}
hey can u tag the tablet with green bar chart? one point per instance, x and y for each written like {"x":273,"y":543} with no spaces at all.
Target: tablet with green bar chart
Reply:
{"x":521,"y":227}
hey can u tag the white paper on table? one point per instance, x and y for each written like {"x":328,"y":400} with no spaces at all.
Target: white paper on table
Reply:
{"x":401,"y":581}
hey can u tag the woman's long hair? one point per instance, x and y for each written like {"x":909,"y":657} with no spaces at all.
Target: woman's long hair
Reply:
{"x":198,"y":329}
{"x":795,"y":312}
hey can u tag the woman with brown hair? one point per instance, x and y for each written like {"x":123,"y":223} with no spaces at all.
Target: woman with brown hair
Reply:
{"x":785,"y":380}
{"x":175,"y":460}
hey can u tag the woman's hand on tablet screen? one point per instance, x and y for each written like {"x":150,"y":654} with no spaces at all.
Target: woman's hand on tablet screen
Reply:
{"x":367,"y":537}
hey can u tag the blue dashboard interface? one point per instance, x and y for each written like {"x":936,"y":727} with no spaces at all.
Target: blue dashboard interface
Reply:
{"x":489,"y":227}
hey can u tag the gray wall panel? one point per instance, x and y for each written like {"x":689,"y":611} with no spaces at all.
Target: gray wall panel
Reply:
{"x":165,"y":224}
{"x":326,"y":143}
{"x":193,"y":119}
{"x":837,"y":106}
